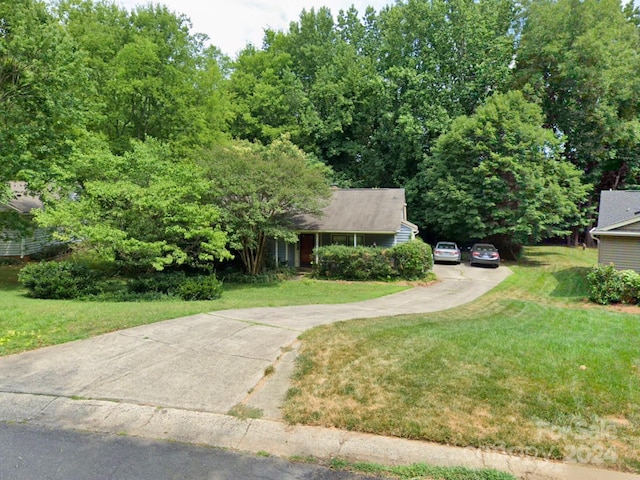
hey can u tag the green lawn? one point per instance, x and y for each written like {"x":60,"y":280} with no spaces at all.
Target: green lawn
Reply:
{"x":529,"y":368}
{"x":27,"y":323}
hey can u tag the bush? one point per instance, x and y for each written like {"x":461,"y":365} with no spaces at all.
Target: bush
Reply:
{"x":630,"y":283}
{"x":352,"y":263}
{"x":409,"y":261}
{"x":58,"y":280}
{"x":412,"y":260}
{"x":200,"y":288}
{"x":164,"y":283}
{"x":608,"y":285}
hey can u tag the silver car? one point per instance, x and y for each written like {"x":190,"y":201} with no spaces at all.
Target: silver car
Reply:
{"x":446,"y":252}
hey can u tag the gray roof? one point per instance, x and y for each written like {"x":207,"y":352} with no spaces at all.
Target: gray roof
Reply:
{"x":618,"y":206}
{"x":359,"y":210}
{"x":21,"y":202}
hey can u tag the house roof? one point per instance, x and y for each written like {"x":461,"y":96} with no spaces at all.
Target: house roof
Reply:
{"x":21,"y":202}
{"x":359,"y":210}
{"x":618,"y":208}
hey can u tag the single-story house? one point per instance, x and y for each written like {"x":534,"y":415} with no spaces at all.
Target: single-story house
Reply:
{"x":618,"y":229}
{"x":353,"y":216}
{"x":15,"y":243}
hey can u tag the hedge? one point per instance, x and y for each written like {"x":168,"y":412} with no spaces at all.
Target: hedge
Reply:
{"x":76,"y":280}
{"x":407,"y":261}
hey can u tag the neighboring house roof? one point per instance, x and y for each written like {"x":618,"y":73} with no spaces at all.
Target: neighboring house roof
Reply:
{"x":21,"y":202}
{"x":618,"y":208}
{"x":360,"y":210}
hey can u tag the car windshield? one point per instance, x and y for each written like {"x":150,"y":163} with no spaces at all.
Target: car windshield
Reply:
{"x":485,"y":248}
{"x":446,"y":246}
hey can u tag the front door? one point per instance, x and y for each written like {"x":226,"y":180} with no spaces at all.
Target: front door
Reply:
{"x":307,"y":243}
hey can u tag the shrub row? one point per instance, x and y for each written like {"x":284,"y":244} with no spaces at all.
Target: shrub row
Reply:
{"x":407,"y":261}
{"x":608,"y":285}
{"x":75,"y":280}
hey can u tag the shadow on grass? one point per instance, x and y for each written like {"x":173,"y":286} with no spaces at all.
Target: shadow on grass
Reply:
{"x":9,"y":278}
{"x":572,"y":283}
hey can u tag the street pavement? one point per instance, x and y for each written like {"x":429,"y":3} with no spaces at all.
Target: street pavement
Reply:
{"x":179,"y":379}
{"x":30,"y":453}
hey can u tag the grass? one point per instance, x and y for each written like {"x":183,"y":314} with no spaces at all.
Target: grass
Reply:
{"x":420,"y":470}
{"x":27,"y":323}
{"x":530,"y":368}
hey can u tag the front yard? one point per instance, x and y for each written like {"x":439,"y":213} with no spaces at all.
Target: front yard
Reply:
{"x":27,"y":323}
{"x":530,"y":368}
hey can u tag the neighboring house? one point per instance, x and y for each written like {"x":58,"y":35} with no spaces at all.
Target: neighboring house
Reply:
{"x":14,"y":243}
{"x":618,"y":229}
{"x":357,"y":217}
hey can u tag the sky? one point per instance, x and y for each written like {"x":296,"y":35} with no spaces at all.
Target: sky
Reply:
{"x":231,"y":24}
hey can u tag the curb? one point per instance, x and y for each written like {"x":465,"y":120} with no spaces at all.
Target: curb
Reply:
{"x":257,"y":435}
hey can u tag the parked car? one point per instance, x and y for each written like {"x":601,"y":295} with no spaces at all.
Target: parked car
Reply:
{"x":484,"y":254}
{"x":446,"y":252}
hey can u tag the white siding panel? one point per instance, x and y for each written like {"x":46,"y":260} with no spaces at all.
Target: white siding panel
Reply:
{"x":16,"y":247}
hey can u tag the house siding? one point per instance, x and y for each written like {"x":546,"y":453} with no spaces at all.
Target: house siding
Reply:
{"x":15,"y":246}
{"x":405,"y":234}
{"x":622,"y":252}
{"x":633,"y":227}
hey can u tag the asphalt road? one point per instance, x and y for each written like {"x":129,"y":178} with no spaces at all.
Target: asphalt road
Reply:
{"x":33,"y":453}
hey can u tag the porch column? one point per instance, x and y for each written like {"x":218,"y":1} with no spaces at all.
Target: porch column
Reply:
{"x":276,"y":254}
{"x":316,"y":248}
{"x":355,"y":240}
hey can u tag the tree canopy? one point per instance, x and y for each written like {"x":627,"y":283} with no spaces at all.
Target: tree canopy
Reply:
{"x":378,"y":97}
{"x":141,"y":210}
{"x":260,"y":189}
{"x":499,"y":175}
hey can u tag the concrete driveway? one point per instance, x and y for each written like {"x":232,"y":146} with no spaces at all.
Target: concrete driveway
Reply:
{"x":210,"y":362}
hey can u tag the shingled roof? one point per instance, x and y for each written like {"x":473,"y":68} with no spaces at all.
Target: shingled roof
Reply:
{"x":618,"y":206}
{"x":21,"y":202}
{"x":359,"y":210}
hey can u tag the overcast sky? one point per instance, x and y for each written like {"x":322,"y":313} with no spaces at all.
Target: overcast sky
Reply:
{"x":231,"y":24}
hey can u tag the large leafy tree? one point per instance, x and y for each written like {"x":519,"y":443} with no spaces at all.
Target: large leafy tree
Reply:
{"x":269,"y":98}
{"x":259,"y":190}
{"x":153,"y":78}
{"x":581,"y":60}
{"x":440,"y":59}
{"x":142,"y":210}
{"x":499,"y":175}
{"x":43,"y":92}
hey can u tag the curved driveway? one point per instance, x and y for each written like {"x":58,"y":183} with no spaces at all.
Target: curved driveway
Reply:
{"x":213,"y":361}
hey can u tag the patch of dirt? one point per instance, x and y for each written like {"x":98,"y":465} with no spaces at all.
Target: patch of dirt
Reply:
{"x":631,"y":309}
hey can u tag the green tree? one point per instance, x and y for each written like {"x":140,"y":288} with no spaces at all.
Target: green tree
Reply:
{"x":43,"y":92}
{"x":143,"y":210}
{"x":153,"y":78}
{"x":259,"y":190}
{"x":440,"y":59}
{"x":581,"y":60}
{"x":499,"y":175}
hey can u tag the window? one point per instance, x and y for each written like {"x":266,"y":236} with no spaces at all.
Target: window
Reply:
{"x":347,"y":240}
